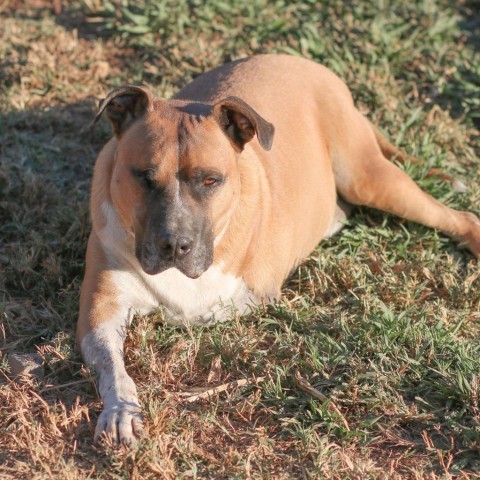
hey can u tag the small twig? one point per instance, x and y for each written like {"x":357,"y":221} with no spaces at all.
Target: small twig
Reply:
{"x":69,"y":384}
{"x":221,"y":388}
{"x":305,"y":385}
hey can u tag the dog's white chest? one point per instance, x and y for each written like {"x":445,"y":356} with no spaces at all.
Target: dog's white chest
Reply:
{"x":214,"y":296}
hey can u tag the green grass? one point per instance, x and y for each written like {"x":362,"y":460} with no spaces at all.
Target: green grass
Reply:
{"x":383,"y":319}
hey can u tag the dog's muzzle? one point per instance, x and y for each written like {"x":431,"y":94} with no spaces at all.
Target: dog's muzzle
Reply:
{"x":189,"y":256}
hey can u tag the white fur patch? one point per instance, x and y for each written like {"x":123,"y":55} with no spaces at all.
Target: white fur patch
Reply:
{"x":212,"y":296}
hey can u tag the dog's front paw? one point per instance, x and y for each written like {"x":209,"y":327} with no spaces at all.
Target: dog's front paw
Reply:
{"x":120,"y":424}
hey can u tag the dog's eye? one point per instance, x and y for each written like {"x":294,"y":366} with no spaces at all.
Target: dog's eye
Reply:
{"x":206,"y":182}
{"x":210,"y":182}
{"x":145,"y":177}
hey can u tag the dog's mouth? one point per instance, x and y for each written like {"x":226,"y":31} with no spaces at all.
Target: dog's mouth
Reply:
{"x":155,"y":261}
{"x":155,"y":270}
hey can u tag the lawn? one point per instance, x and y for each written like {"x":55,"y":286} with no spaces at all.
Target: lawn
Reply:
{"x":368,"y":367}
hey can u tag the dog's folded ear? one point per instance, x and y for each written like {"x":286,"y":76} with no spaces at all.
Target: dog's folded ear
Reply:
{"x":240,"y":122}
{"x":124,"y":105}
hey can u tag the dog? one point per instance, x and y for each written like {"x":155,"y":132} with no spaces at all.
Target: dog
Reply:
{"x":203,"y":204}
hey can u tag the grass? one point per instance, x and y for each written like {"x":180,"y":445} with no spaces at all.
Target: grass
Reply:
{"x":383,"y":319}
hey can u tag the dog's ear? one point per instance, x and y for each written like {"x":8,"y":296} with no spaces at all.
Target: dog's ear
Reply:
{"x":124,"y":105}
{"x":240,"y":122}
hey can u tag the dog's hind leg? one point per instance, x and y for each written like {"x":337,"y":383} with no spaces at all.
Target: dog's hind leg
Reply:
{"x":364,"y":176}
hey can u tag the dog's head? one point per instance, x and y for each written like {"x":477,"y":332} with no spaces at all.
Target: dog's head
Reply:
{"x":174,"y":179}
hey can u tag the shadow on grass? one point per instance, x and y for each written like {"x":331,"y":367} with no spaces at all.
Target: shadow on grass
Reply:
{"x":461,"y":94}
{"x":46,"y":163}
{"x":470,"y":23}
{"x":46,"y":159}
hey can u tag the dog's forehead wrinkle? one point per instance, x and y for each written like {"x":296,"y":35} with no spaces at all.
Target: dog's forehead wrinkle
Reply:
{"x":170,"y":128}
{"x":161,"y":128}
{"x":186,"y":133}
{"x":186,"y":143}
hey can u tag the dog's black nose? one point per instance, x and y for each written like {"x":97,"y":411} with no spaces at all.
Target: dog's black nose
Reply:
{"x":175,"y":247}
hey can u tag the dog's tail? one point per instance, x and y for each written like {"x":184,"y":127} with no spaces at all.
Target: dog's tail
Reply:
{"x":393,"y":153}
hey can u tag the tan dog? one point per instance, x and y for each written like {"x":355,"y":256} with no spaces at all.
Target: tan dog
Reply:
{"x":200,"y":204}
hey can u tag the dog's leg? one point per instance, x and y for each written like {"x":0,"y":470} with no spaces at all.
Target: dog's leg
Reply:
{"x":365,"y":177}
{"x":101,"y":333}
